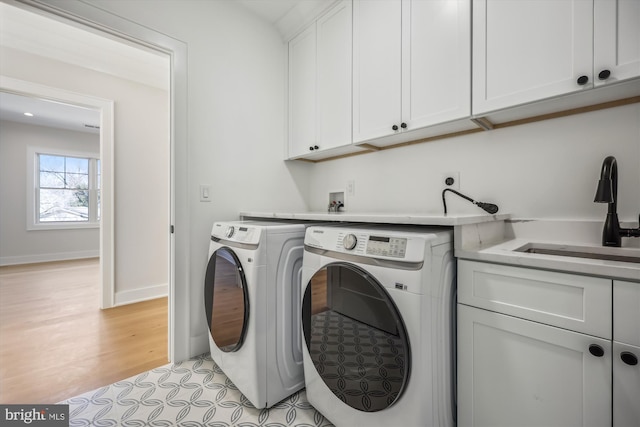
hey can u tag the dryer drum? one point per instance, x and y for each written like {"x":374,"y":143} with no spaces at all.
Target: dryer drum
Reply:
{"x":226,"y":300}
{"x":356,"y":337}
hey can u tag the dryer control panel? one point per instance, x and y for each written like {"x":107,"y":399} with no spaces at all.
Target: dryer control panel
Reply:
{"x":236,"y":232}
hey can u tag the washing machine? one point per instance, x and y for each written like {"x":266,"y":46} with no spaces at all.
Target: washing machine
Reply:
{"x":378,"y":323}
{"x":252,"y":305}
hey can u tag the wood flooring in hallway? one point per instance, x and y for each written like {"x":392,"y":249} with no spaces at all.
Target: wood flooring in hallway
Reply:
{"x":55,"y":341}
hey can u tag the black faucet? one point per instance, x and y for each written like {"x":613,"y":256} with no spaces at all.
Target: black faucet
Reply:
{"x":607,"y":192}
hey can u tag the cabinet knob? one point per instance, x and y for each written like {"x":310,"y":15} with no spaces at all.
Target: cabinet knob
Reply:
{"x":403,"y":125}
{"x":596,"y":350}
{"x":629,"y":358}
{"x":604,"y":74}
{"x":394,"y":127}
{"x":311,"y":148}
{"x":583,"y":80}
{"x":315,"y":147}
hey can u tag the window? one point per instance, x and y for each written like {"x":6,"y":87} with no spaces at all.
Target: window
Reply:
{"x":66,"y":190}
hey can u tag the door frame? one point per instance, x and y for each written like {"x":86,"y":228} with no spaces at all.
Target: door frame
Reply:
{"x":105,"y":107}
{"x":93,"y":19}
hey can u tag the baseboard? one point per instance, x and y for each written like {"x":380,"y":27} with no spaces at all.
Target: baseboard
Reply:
{"x":141,"y":294}
{"x":58,"y":256}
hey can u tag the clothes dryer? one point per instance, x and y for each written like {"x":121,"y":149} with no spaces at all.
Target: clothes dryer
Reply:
{"x":377,"y":319}
{"x":252,"y":304}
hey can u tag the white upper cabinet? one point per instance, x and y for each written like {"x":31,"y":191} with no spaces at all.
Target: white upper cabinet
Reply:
{"x":334,"y":76}
{"x":302,"y":92}
{"x":436,"y":62}
{"x":320,"y":84}
{"x":411,"y":65}
{"x":616,"y":40}
{"x":377,"y":43}
{"x":529,"y":50}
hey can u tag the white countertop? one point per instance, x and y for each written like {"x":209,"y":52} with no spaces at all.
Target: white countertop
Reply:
{"x":386,"y":218}
{"x":491,"y":243}
{"x":506,"y":253}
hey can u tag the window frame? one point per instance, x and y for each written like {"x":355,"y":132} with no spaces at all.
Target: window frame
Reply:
{"x":33,"y":181}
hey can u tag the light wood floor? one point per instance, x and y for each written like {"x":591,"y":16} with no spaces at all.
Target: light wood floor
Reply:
{"x":56,"y":343}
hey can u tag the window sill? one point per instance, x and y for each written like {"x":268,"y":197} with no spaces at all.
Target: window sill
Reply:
{"x":62,"y":226}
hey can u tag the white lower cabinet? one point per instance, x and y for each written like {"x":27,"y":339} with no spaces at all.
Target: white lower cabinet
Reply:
{"x":626,"y":352}
{"x":544,"y":348}
{"x":514,"y":372}
{"x":626,"y":385}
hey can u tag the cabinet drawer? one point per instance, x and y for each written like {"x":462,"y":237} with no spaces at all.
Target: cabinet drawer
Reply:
{"x":626,"y":312}
{"x":578,"y":303}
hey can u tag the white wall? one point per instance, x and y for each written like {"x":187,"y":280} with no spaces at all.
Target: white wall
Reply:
{"x":17,"y":245}
{"x":541,"y":170}
{"x":236,"y":114}
{"x":141,"y":162}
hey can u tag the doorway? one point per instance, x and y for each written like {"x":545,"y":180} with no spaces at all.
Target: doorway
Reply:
{"x":97,"y":21}
{"x":104,"y":109}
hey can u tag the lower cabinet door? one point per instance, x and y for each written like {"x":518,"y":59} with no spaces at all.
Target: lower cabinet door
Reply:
{"x":626,"y":385}
{"x":514,"y":372}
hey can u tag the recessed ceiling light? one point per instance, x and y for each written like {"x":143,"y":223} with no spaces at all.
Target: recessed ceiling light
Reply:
{"x":28,"y":114}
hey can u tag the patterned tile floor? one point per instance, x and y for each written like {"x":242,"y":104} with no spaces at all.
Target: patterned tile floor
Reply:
{"x":191,"y":393}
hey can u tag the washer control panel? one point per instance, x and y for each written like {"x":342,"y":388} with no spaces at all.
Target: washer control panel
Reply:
{"x":387,"y":246}
{"x":398,"y":243}
{"x":374,"y":245}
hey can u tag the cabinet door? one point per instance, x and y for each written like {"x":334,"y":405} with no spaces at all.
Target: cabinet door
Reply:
{"x":626,"y":312}
{"x":616,"y":39}
{"x":376,"y":68}
{"x":302,"y":92}
{"x":626,"y":385}
{"x":436,"y":61}
{"x":514,"y":372}
{"x":334,"y":77}
{"x":528,"y":50}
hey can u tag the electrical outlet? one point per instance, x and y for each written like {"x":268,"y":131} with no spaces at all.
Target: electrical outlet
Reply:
{"x":450,"y":180}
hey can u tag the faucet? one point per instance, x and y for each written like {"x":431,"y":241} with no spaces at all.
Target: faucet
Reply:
{"x":607,"y":192}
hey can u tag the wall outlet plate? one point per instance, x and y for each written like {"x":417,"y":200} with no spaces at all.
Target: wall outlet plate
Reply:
{"x":450,"y":180}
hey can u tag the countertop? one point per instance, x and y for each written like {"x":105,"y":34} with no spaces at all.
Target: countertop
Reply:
{"x":498,"y":243}
{"x":495,"y":238}
{"x":386,"y":218}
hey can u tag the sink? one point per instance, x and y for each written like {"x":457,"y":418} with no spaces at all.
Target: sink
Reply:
{"x":602,"y":253}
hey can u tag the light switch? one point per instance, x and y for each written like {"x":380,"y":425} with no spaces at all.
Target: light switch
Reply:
{"x":205,"y":193}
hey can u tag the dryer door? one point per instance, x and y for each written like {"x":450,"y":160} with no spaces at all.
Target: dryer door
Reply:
{"x":226,"y":300}
{"x":356,"y":337}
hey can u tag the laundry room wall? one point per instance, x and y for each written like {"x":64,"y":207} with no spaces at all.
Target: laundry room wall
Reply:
{"x":141,"y":135}
{"x":547,"y":169}
{"x":17,"y":244}
{"x":236,"y":122}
